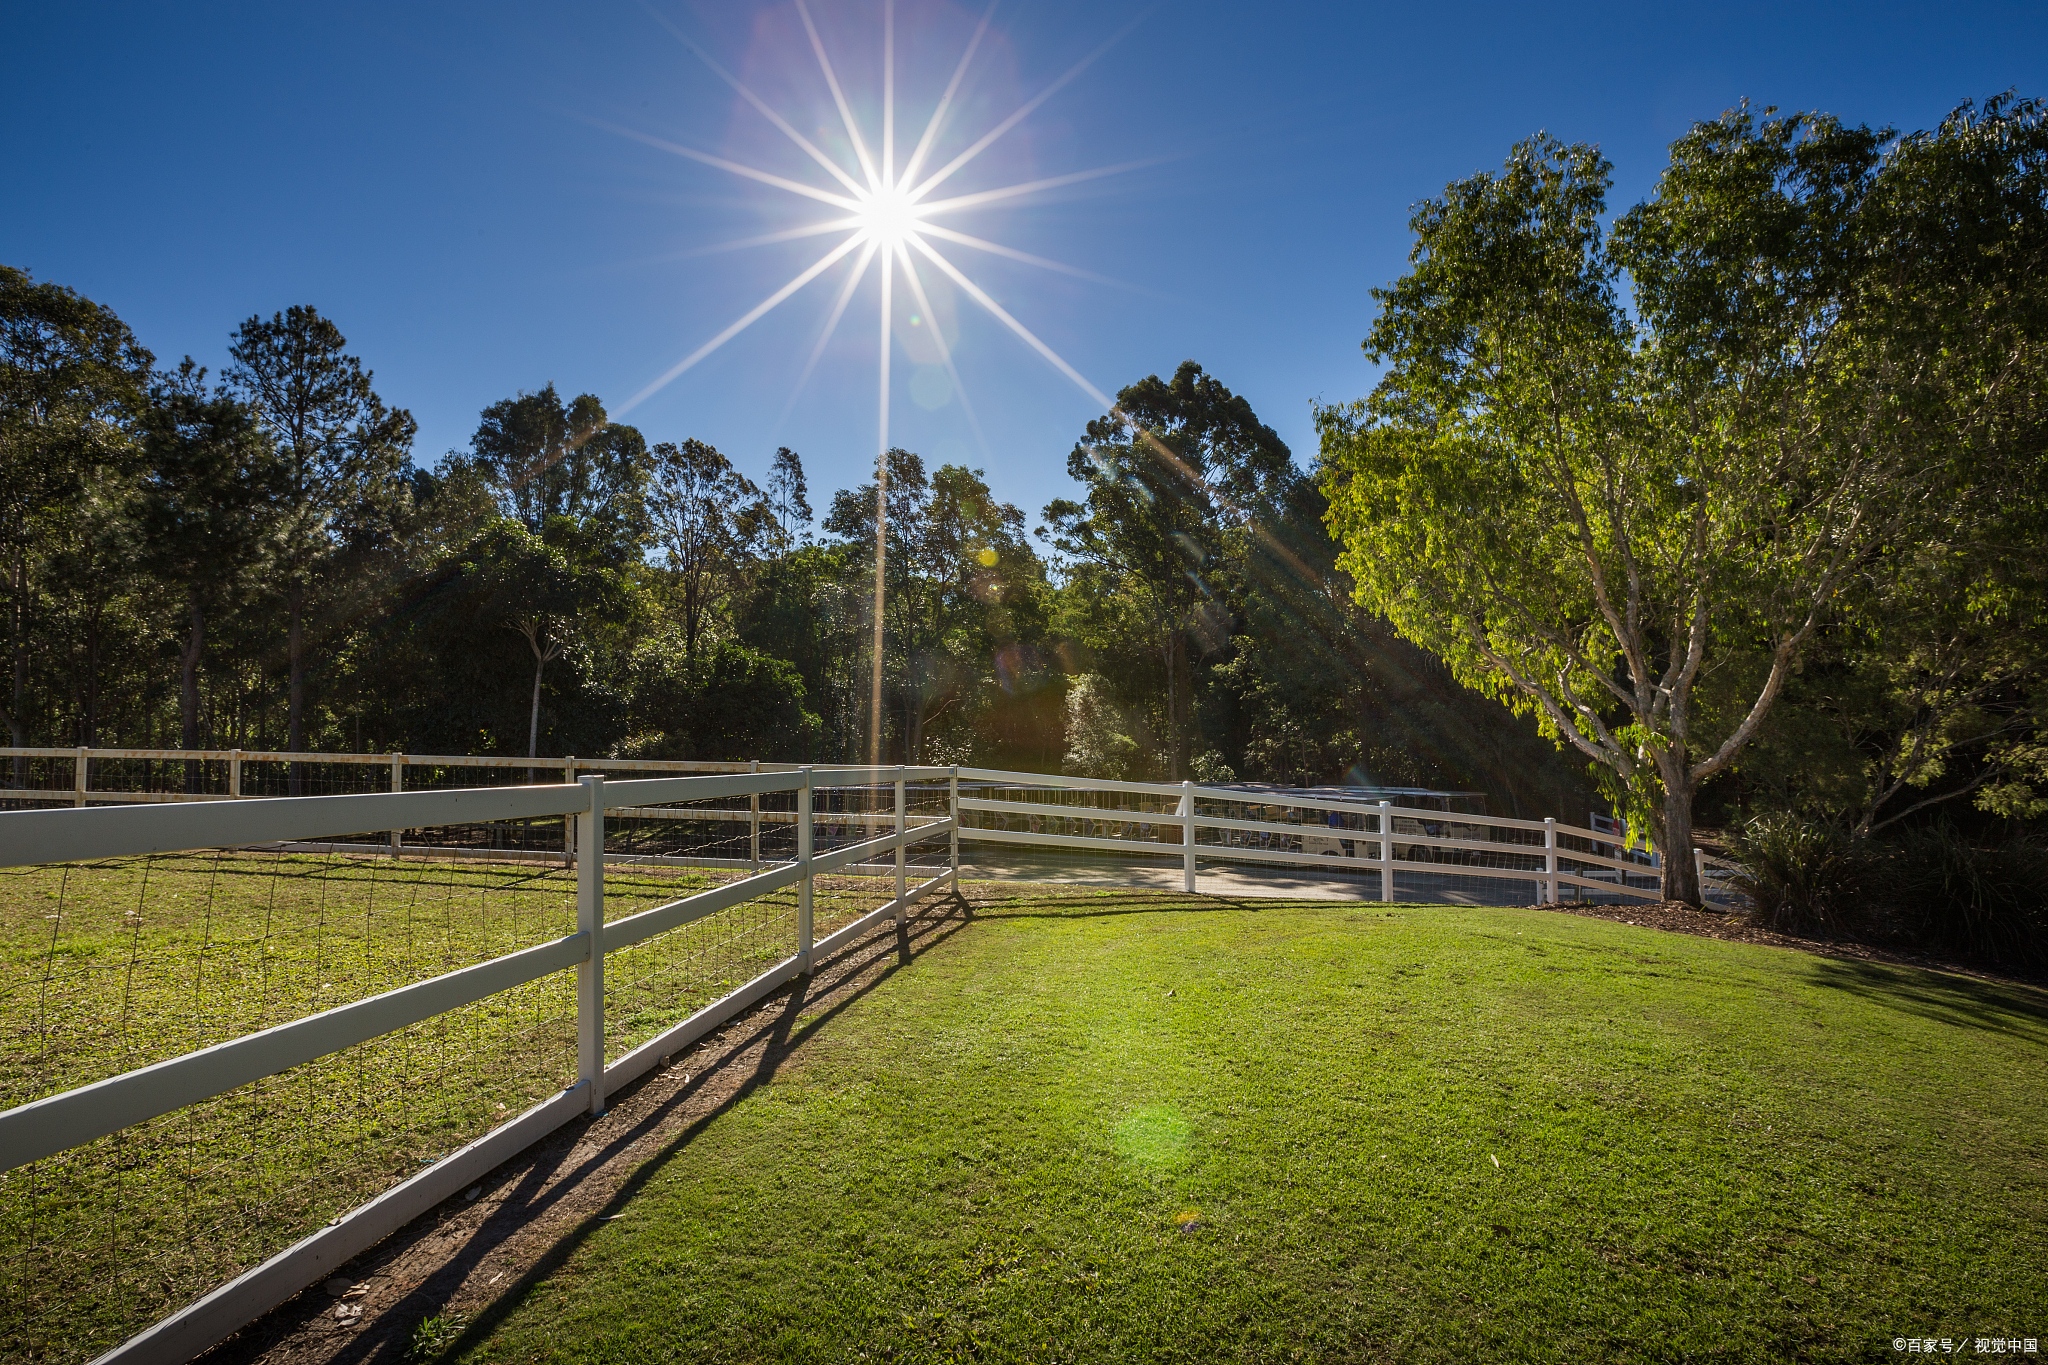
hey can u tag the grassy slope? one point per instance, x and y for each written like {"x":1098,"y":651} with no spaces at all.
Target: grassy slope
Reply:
{"x":1120,"y":1127}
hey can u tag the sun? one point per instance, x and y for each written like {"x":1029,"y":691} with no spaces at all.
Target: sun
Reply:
{"x":888,"y":217}
{"x":886,"y":210}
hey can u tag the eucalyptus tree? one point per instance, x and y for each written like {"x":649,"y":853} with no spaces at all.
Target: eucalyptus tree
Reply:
{"x":957,"y":569}
{"x":341,"y":450}
{"x":72,"y":377}
{"x":711,"y":521}
{"x":547,"y":459}
{"x":1168,"y":472}
{"x":1632,"y":515}
{"x":206,"y":512}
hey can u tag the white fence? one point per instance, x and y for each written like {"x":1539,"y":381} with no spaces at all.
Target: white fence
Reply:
{"x":1140,"y":823}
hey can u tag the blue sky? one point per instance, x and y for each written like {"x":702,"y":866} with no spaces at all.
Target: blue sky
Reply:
{"x":439,"y":180}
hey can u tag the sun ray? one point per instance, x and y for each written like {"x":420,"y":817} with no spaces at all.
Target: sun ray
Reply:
{"x":860,"y":269}
{"x":1030,"y":339}
{"x":997,"y":248}
{"x":780,"y":182}
{"x":746,"y":320}
{"x":794,"y":234}
{"x":911,"y":278}
{"x":860,"y":148}
{"x":1051,"y":182}
{"x":881,"y":511}
{"x":888,"y":181}
{"x":1013,"y":120}
{"x":931,"y":128}
{"x":838,"y":171}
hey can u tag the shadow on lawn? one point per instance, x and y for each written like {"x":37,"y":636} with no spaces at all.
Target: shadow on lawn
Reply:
{"x":1083,"y":905}
{"x":2016,"y":1011}
{"x":797,"y":1014}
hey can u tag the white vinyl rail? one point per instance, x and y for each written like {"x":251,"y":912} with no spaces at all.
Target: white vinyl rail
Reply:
{"x":45,"y":1127}
{"x":1114,"y":817}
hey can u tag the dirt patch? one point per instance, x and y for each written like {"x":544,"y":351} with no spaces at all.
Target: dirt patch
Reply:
{"x":1676,"y":917}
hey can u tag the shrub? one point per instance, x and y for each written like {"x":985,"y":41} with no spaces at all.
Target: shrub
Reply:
{"x":1802,"y":876}
{"x":1959,"y":899}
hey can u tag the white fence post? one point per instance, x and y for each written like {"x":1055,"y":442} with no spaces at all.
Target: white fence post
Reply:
{"x":1550,"y":895}
{"x":901,"y":852}
{"x":1187,"y":838}
{"x":1386,"y":851}
{"x":1699,"y":863}
{"x":569,"y":821}
{"x":590,"y":920}
{"x":803,"y":879}
{"x":397,"y":785}
{"x":754,"y":821}
{"x":235,"y":773}
{"x":953,"y":804}
{"x":81,"y":775}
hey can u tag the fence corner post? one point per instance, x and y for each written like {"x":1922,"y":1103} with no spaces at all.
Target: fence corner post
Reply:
{"x":1550,"y":891}
{"x":590,"y":921}
{"x":1386,"y":852}
{"x":1187,"y":837}
{"x":81,"y":775}
{"x":953,"y":853}
{"x":1699,"y":872}
{"x":803,"y":879}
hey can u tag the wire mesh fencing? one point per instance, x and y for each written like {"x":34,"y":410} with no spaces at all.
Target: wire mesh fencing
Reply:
{"x":119,"y":967}
{"x":117,"y":964}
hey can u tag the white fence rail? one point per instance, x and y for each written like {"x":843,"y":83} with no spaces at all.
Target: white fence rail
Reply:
{"x":1161,"y":822}
{"x":1278,"y":828}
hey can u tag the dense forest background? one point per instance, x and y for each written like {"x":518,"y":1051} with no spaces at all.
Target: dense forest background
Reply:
{"x":259,"y":560}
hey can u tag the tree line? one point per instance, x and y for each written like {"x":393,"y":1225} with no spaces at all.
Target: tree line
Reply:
{"x":257,"y":560}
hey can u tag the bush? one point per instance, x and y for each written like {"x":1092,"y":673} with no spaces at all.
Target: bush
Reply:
{"x":1802,"y":876}
{"x":1958,"y":899}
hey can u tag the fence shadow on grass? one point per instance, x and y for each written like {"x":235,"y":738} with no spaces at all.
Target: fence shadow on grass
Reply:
{"x":2014,"y":1010}
{"x":781,"y":1025}
{"x":1100,"y":904}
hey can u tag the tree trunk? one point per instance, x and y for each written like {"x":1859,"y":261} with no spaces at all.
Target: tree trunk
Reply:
{"x":17,"y":714}
{"x":295,"y":642}
{"x":1681,"y":872}
{"x":540,"y":662}
{"x":188,"y":691}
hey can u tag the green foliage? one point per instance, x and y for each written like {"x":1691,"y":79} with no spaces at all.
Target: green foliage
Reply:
{"x":1802,"y":875}
{"x":1972,"y":899}
{"x":1623,"y":477}
{"x":1098,"y":744}
{"x":730,"y":700}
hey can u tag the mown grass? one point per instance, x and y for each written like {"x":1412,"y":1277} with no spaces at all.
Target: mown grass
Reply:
{"x":115,"y":965}
{"x":1126,"y":1127}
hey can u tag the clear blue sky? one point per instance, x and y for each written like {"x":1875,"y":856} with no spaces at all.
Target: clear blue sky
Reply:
{"x":434,"y":177}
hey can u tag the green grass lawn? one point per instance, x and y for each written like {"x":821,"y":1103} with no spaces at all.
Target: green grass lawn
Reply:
{"x":1137,"y":1127}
